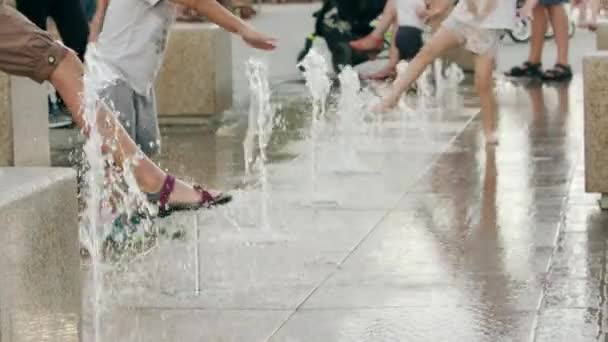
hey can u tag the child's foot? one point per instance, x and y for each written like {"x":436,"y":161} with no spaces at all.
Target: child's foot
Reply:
{"x":385,"y":105}
{"x":381,"y":75}
{"x":175,"y":195}
{"x":368,"y":43}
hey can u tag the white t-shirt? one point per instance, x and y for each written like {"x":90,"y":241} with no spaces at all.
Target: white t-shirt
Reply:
{"x":406,"y":13}
{"x":504,"y":15}
{"x":133,"y":40}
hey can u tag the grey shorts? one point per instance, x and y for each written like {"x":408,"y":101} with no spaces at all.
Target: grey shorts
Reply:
{"x":479,"y":41}
{"x":137,"y":114}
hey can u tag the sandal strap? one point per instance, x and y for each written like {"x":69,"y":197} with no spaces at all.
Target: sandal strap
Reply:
{"x":528,"y":64}
{"x":563,"y":67}
{"x":165,"y":191}
{"x":206,"y":198}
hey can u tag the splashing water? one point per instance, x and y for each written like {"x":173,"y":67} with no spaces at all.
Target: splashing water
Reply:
{"x":318,"y":83}
{"x":455,"y":76}
{"x":109,"y":191}
{"x":261,"y":116}
{"x":350,"y":109}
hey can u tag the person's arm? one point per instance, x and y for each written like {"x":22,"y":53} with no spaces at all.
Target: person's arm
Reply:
{"x":228,"y":21}
{"x":97,"y":22}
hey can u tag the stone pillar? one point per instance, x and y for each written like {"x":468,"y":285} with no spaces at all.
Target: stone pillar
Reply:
{"x":24,"y":123}
{"x":601,"y":35}
{"x":195,"y":80}
{"x":595,"y":78}
{"x":39,"y":260}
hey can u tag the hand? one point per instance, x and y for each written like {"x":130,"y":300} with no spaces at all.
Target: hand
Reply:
{"x":385,"y":105}
{"x":258,"y":40}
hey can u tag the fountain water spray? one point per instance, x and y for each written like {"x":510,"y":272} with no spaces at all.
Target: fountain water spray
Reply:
{"x":109,"y":191}
{"x":261,"y":122}
{"x":318,"y":83}
{"x":349,"y":110}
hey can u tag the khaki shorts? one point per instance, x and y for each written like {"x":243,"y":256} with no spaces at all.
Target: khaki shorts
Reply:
{"x":25,"y":50}
{"x":480,"y":41}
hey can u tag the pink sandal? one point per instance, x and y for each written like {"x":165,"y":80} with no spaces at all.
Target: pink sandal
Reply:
{"x":207,"y":200}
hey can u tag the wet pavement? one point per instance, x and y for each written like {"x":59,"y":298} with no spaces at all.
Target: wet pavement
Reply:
{"x":409,"y":229}
{"x":420,"y":234}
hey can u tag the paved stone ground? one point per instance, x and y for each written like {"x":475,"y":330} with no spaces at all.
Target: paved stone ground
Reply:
{"x":416,"y":232}
{"x":428,"y":236}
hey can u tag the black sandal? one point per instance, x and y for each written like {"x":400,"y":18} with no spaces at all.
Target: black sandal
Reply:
{"x":206,"y":201}
{"x":559,"y":73}
{"x":527,"y":69}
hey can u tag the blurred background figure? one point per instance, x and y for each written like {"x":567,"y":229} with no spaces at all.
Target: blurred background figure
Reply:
{"x":72,"y":26}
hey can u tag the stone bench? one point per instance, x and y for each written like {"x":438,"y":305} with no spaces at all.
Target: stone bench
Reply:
{"x":24,"y":132}
{"x":195,"y":80}
{"x":601,"y":35}
{"x":595,"y":78}
{"x":39,"y":259}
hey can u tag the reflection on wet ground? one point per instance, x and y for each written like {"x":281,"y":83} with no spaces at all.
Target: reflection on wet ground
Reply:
{"x":422,"y":234}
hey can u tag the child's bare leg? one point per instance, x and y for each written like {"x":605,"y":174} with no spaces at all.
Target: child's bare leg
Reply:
{"x":441,"y":42}
{"x":484,"y":66}
{"x":375,"y":40}
{"x":67,"y":79}
{"x":582,"y":14}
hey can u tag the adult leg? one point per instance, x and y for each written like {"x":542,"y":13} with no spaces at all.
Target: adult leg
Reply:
{"x":67,"y":79}
{"x":441,"y":41}
{"x":539,"y":29}
{"x":28,"y":51}
{"x":533,"y":66}
{"x":559,"y":22}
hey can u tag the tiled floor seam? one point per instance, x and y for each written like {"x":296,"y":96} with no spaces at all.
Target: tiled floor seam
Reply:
{"x":374,"y":227}
{"x":560,"y":230}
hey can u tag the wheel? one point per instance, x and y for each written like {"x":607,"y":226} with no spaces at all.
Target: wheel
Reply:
{"x":521,"y":32}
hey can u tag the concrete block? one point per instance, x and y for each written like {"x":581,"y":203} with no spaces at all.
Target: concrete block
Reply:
{"x":39,"y":260}
{"x":601,"y":35}
{"x":595,"y":79}
{"x":196,"y":77}
{"x":24,"y":132}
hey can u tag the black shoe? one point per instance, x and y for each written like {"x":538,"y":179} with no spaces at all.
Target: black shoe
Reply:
{"x":531,"y":70}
